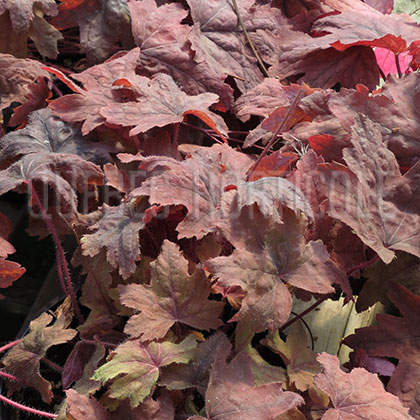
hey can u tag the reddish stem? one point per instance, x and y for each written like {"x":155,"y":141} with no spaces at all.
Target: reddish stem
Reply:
{"x":305,"y":312}
{"x":325,"y":297}
{"x":60,"y":252}
{"x":275,"y":134}
{"x":309,"y":330}
{"x":397,"y":62}
{"x":175,"y":134}
{"x":9,"y":376}
{"x":56,"y":90}
{"x":104,"y":343}
{"x":52,"y":365}
{"x":382,"y":73}
{"x":28,"y":409}
{"x":8,"y":345}
{"x":363,"y":265}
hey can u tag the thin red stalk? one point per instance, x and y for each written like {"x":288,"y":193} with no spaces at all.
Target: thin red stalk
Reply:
{"x":60,"y":251}
{"x":57,"y":90}
{"x":8,"y":345}
{"x":203,"y":130}
{"x":382,"y":73}
{"x":397,"y":62}
{"x":104,"y":343}
{"x":242,"y":141}
{"x":305,"y":312}
{"x":363,"y":265}
{"x":8,"y":376}
{"x":274,"y":137}
{"x":28,"y":409}
{"x":176,"y":133}
{"x":60,"y":275}
{"x":52,"y":364}
{"x":325,"y":297}
{"x":309,"y":330}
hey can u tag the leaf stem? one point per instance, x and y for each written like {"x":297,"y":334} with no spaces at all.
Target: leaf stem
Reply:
{"x":28,"y":409}
{"x":9,"y":376}
{"x":382,"y":73}
{"x":248,"y":38}
{"x":52,"y":365}
{"x":305,"y":312}
{"x":397,"y":62}
{"x":61,"y":259}
{"x":363,"y":265}
{"x":309,"y":330}
{"x":275,"y":134}
{"x":8,"y":345}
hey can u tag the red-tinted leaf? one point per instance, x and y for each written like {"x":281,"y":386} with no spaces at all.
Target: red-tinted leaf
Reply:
{"x":372,"y":197}
{"x":159,"y":101}
{"x":54,"y":154}
{"x":264,"y":98}
{"x":273,"y":100}
{"x":352,"y":28}
{"x":9,"y":272}
{"x":173,"y":296}
{"x":76,"y":361}
{"x":386,"y":61}
{"x":379,"y":365}
{"x":384,"y":6}
{"x":97,"y":81}
{"x":27,"y":20}
{"x":23,"y":360}
{"x":395,"y":337}
{"x":101,"y":24}
{"x":134,"y":367}
{"x":404,"y":269}
{"x":196,"y":373}
{"x":22,"y":13}
{"x":218,"y":39}
{"x":165,"y":47}
{"x":38,"y":94}
{"x":16,"y":78}
{"x":83,"y":407}
{"x":299,"y":359}
{"x":118,"y":232}
{"x":293,"y":53}
{"x":415,"y":53}
{"x":197,"y":183}
{"x":278,"y":164}
{"x":358,"y":394}
{"x":6,"y":248}
{"x":232,"y":394}
{"x":269,"y":257}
